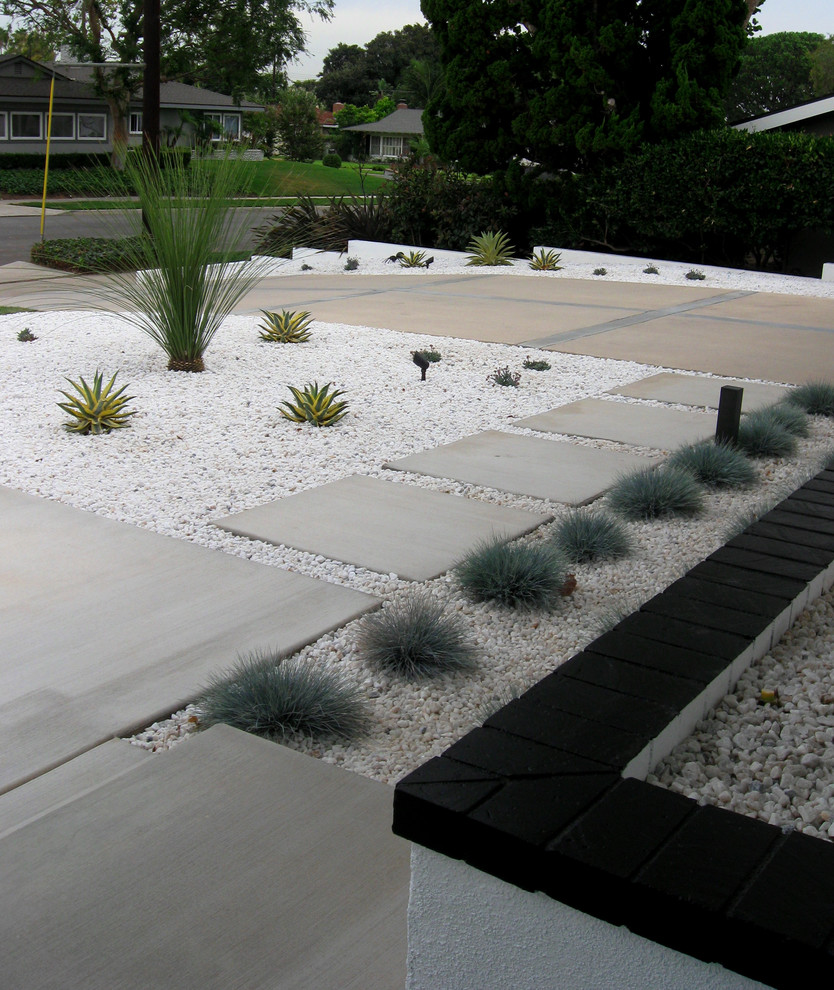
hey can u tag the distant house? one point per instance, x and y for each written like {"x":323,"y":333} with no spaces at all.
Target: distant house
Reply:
{"x":81,"y":120}
{"x":391,"y":137}
{"x":814,"y":117}
{"x":327,"y":122}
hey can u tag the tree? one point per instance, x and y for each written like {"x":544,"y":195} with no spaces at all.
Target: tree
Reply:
{"x":567,"y":82}
{"x":822,"y":68}
{"x":298,"y":127}
{"x":32,"y":44}
{"x":229,"y":42}
{"x":349,"y":144}
{"x":775,"y":73}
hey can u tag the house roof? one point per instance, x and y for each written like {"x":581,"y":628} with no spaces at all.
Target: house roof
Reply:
{"x":792,"y":115}
{"x":399,"y":122}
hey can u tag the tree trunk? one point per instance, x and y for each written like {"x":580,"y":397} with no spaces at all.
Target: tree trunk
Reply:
{"x":119,"y":107}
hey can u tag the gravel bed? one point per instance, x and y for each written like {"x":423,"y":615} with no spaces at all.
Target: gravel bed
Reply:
{"x":203,"y":446}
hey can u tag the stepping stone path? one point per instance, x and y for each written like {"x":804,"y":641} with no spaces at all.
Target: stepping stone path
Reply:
{"x":549,"y":469}
{"x":695,"y":390}
{"x":625,"y":422}
{"x":412,"y":532}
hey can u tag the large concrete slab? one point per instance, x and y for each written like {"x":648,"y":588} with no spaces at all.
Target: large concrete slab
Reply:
{"x":693,"y":390}
{"x":228,"y":862}
{"x":625,"y":422}
{"x":393,"y":528}
{"x":550,"y":469}
{"x":105,"y":627}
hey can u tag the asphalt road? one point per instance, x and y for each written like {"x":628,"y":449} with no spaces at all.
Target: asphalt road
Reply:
{"x":18,"y":234}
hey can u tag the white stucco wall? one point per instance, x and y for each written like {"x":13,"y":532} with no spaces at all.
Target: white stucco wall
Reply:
{"x":469,"y":931}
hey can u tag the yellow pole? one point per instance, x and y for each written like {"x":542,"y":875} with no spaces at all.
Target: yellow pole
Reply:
{"x":46,"y":163}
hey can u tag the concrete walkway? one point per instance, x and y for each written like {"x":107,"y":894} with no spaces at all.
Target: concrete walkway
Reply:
{"x":231,"y":861}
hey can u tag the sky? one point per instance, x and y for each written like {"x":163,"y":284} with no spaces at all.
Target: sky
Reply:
{"x":355,"y":22}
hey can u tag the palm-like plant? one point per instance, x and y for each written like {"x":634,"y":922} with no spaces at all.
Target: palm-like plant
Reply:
{"x":490,"y":248}
{"x":180,"y":293}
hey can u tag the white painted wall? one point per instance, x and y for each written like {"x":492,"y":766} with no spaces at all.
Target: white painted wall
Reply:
{"x":469,"y":931}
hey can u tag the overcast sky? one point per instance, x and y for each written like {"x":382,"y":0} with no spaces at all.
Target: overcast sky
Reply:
{"x":355,"y":22}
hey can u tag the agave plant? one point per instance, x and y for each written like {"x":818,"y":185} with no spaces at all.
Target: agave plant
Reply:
{"x":315,"y":405}
{"x":490,"y":248}
{"x":96,"y":409}
{"x":286,"y":327}
{"x":414,"y":259}
{"x":546,"y":261}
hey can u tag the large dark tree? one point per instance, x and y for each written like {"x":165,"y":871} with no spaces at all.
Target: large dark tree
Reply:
{"x":567,"y":82}
{"x":775,"y":73}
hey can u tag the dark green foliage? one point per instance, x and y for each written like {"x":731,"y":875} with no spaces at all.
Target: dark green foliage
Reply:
{"x":432,"y":355}
{"x":415,"y":638}
{"x":761,"y":436}
{"x":307,"y":225}
{"x":515,"y":575}
{"x":351,"y":264}
{"x":651,"y":270}
{"x":30,"y":160}
{"x":505,"y":377}
{"x":584,"y":535}
{"x":271,"y":696}
{"x":532,"y":365}
{"x":695,"y":276}
{"x":299,"y":132}
{"x":566,"y":82}
{"x":332,"y":160}
{"x":816,"y":398}
{"x":26,"y":335}
{"x":652,"y":493}
{"x":715,"y":464}
{"x":600,"y":271}
{"x":69,"y":182}
{"x":87,"y":254}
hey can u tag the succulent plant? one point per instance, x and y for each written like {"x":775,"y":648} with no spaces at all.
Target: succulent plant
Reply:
{"x":600,"y":271}
{"x":26,"y":335}
{"x":315,"y":405}
{"x":533,"y":365}
{"x":96,"y":409}
{"x":651,"y":270}
{"x":414,"y":259}
{"x":695,"y":276}
{"x":432,"y":355}
{"x":490,"y":248}
{"x":351,"y":264}
{"x":503,"y":376}
{"x":286,"y":327}
{"x":546,"y":261}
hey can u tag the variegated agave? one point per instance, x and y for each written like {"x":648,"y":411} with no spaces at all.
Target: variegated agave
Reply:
{"x":414,"y":259}
{"x":315,"y":405}
{"x":546,"y":261}
{"x":285,"y":327}
{"x":96,"y":409}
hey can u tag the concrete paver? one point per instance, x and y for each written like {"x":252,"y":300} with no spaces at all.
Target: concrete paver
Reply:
{"x":393,"y":528}
{"x":105,"y":627}
{"x":625,"y":422}
{"x":694,"y":390}
{"x":551,"y":469}
{"x":228,"y":862}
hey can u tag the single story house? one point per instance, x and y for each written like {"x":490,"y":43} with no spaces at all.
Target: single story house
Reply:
{"x":81,"y":120}
{"x":814,"y":117}
{"x":391,"y":137}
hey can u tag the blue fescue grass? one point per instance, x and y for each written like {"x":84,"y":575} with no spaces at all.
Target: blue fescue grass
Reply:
{"x":416,"y":637}
{"x":761,"y":436}
{"x":718,"y":465}
{"x":785,"y":414}
{"x":515,"y":575}
{"x":273,"y":696}
{"x":584,"y":536}
{"x":653,"y":493}
{"x":816,"y":398}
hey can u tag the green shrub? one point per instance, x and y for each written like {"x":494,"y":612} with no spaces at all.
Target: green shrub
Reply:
{"x":82,"y":182}
{"x":651,"y":270}
{"x":515,"y":575}
{"x":718,"y":465}
{"x":816,"y":398}
{"x":96,"y":408}
{"x":505,"y":377}
{"x":286,"y":327}
{"x":490,"y":249}
{"x":600,"y":271}
{"x":415,"y":638}
{"x":26,"y":335}
{"x":650,"y":493}
{"x":583,"y":536}
{"x":269,"y":695}
{"x":315,"y":405}
{"x":332,"y":160}
{"x":695,"y":276}
{"x":760,"y":436}
{"x":86,"y":255}
{"x":431,"y":355}
{"x":533,"y":365}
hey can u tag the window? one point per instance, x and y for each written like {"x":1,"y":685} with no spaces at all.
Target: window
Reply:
{"x":27,"y":126}
{"x":63,"y":126}
{"x":231,"y":126}
{"x":392,"y":146}
{"x":92,"y":127}
{"x":3,"y":131}
{"x":135,"y":123}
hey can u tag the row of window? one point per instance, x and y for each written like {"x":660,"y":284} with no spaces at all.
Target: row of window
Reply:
{"x":229,"y":122}
{"x":25,"y":126}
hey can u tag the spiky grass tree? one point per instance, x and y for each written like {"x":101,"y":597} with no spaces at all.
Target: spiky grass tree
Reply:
{"x":183,"y":288}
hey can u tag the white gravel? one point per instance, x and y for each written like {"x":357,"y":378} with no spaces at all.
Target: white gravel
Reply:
{"x":202,"y":446}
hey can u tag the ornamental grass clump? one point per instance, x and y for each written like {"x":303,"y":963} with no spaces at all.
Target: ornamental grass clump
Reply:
{"x":416,"y":637}
{"x":273,"y":696}
{"x":96,"y":408}
{"x":490,"y":248}
{"x":761,"y":436}
{"x":585,"y":535}
{"x":788,"y":416}
{"x":515,"y":575}
{"x":654,"y":493}
{"x":179,"y":294}
{"x":718,"y":465}
{"x":816,"y":398}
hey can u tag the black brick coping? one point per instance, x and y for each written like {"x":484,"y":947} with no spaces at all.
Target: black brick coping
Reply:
{"x":550,"y":793}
